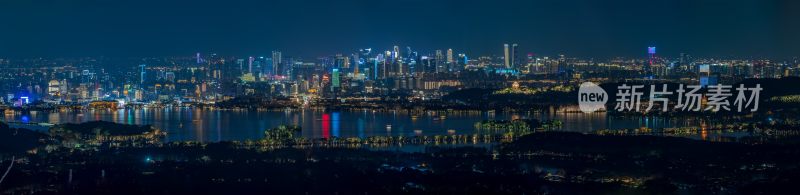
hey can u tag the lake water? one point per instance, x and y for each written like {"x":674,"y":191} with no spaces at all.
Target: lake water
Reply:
{"x":183,"y":124}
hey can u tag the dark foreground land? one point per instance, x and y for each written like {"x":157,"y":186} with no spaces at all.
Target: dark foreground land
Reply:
{"x":539,"y":163}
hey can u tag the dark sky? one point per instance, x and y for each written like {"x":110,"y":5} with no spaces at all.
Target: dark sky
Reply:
{"x":309,"y":28}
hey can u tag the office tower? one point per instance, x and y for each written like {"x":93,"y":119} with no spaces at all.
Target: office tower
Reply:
{"x":335,"y":80}
{"x":240,"y":62}
{"x":395,"y":53}
{"x":339,"y":61}
{"x":346,"y":62}
{"x":439,"y":59}
{"x":250,"y":61}
{"x":506,"y":56}
{"x":375,"y":67}
{"x":462,"y":58}
{"x":530,"y":64}
{"x":400,"y":68}
{"x":53,"y":88}
{"x":387,"y":64}
{"x":197,"y":57}
{"x":277,"y":63}
{"x":682,"y":58}
{"x":356,"y":62}
{"x":141,"y":73}
{"x":170,"y":76}
{"x":651,"y":57}
{"x":704,"y":74}
{"x":514,"y":57}
{"x":425,"y":65}
{"x":450,"y":56}
{"x":267,"y":66}
{"x":380,"y":58}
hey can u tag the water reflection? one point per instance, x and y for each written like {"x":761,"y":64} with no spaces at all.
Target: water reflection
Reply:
{"x":220,"y":125}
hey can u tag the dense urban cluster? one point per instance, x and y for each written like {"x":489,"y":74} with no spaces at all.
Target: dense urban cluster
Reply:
{"x":717,"y":151}
{"x":369,"y":76}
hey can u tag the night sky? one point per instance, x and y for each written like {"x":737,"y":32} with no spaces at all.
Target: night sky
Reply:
{"x":307,"y":28}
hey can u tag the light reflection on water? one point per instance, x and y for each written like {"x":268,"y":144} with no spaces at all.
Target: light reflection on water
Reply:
{"x":184,"y":124}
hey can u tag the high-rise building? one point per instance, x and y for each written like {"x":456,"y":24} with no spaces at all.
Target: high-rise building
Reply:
{"x":514,"y":56}
{"x":439,"y":59}
{"x":380,"y":72}
{"x":356,"y":60}
{"x":506,"y":56}
{"x":451,"y":61}
{"x":240,"y":62}
{"x":341,"y":62}
{"x":651,"y":57}
{"x":395,"y":53}
{"x":704,"y":74}
{"x":53,"y":88}
{"x":197,"y":57}
{"x":277,"y":63}
{"x":450,"y":58}
{"x":250,"y":64}
{"x":335,"y":80}
{"x":142,"y":73}
{"x":169,"y":76}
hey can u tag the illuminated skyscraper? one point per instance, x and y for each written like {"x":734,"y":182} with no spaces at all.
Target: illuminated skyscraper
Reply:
{"x":395,"y":53}
{"x":356,"y":61}
{"x":240,"y":62}
{"x":506,"y":56}
{"x":277,"y":63}
{"x":53,"y":88}
{"x":250,"y":64}
{"x":142,"y":73}
{"x":450,"y":58}
{"x":335,"y":80}
{"x":704,"y":72}
{"x":375,"y":66}
{"x":514,"y":56}
{"x":197,"y":57}
{"x":651,"y":57}
{"x":341,"y":61}
{"x":439,"y":59}
{"x":381,"y":58}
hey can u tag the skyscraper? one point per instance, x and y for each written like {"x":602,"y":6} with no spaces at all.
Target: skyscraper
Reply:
{"x":335,"y":80}
{"x":340,"y":61}
{"x":142,"y":73}
{"x":450,"y":60}
{"x":250,"y":64}
{"x":651,"y":57}
{"x":439,"y":59}
{"x":395,"y":53}
{"x":514,"y":56}
{"x":199,"y":60}
{"x":240,"y":62}
{"x":506,"y":56}
{"x":450,"y":56}
{"x":356,"y":62}
{"x":277,"y":63}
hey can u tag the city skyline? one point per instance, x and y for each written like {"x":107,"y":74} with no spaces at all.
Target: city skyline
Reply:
{"x":399,"y":97}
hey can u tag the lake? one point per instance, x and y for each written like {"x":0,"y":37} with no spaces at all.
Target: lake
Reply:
{"x":207,"y":125}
